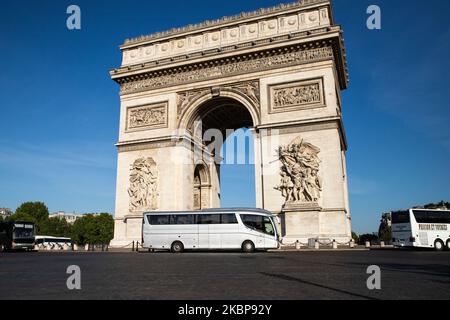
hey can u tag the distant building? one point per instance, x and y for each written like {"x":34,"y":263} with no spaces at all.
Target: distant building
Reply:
{"x":5,"y":213}
{"x":69,"y":217}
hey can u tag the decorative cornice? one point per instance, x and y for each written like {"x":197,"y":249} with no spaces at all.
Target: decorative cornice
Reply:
{"x":219,"y":68}
{"x":224,"y":20}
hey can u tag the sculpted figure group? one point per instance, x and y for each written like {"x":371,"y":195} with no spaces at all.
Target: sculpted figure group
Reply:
{"x":300,"y":181}
{"x":143,"y":190}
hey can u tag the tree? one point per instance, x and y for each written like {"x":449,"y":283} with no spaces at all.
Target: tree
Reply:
{"x":104,"y":227}
{"x":385,"y":230}
{"x":37,"y":210}
{"x":22,"y":216}
{"x":56,"y":227}
{"x":355,"y":237}
{"x":93,"y":229}
{"x":367,"y":237}
{"x":439,"y":205}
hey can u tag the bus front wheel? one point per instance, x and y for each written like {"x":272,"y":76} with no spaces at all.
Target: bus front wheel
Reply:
{"x":177,"y":247}
{"x":248,"y":246}
{"x":438,"y":245}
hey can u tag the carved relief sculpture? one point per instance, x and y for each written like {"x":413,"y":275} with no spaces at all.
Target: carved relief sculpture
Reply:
{"x":175,"y":77}
{"x":185,"y":98}
{"x":143,"y":190}
{"x":299,"y":95}
{"x":153,"y":116}
{"x":250,"y":89}
{"x":300,"y":181}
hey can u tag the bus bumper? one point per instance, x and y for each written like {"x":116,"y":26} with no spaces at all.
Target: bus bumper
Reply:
{"x":22,"y":246}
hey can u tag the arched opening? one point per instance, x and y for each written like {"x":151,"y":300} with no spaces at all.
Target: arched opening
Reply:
{"x":202,"y":187}
{"x":224,"y":127}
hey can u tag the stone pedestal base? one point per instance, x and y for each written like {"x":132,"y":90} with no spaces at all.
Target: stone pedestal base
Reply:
{"x":303,"y":221}
{"x":127,"y":230}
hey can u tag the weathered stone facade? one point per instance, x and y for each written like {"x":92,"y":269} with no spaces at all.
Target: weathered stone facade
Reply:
{"x":279,"y":71}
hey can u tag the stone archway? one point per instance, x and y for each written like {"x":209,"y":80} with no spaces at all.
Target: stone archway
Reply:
{"x":279,"y":71}
{"x":209,"y":123}
{"x":202,"y":187}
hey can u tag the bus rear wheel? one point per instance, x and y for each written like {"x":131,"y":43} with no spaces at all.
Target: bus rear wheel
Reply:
{"x":448,"y":244}
{"x":248,"y":246}
{"x":438,"y":245}
{"x":177,"y":247}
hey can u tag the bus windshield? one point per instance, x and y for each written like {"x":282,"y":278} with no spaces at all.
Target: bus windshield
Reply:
{"x":23,"y":231}
{"x":400,"y":217}
{"x":259,"y":223}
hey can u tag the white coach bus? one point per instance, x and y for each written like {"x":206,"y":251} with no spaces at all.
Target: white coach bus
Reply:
{"x":421,"y":228}
{"x":245,"y":229}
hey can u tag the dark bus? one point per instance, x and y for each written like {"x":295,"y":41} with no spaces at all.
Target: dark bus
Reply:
{"x":17,"y":235}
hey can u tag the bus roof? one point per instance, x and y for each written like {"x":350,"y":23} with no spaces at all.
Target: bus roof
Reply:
{"x":437,"y":210}
{"x":218,"y":210}
{"x":50,"y":237}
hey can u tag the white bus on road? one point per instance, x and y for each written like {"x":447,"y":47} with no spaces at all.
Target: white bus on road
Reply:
{"x":421,"y":228}
{"x":245,"y":229}
{"x":53,"y":242}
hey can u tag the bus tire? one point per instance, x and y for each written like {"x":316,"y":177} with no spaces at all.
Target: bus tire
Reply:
{"x":248,"y":246}
{"x":438,"y":245}
{"x":177,"y":247}
{"x":448,"y":244}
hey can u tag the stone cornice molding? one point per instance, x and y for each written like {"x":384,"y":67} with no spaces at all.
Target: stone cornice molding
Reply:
{"x":329,"y":49}
{"x":181,"y":138}
{"x":240,"y":18}
{"x":313,"y":35}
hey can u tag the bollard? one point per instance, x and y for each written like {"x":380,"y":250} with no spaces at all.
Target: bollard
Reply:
{"x":297,"y":245}
{"x":36,"y":247}
{"x":65,"y":247}
{"x":86,"y":247}
{"x":382,"y":244}
{"x":132,"y":248}
{"x":75,"y":247}
{"x":335,"y":244}
{"x":352,"y":244}
{"x":316,"y":245}
{"x":367,"y":244}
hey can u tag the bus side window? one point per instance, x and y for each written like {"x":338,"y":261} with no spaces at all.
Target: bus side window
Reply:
{"x":229,"y":218}
{"x":159,"y":220}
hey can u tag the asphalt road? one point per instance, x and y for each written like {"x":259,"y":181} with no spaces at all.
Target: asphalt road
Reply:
{"x":223,"y":275}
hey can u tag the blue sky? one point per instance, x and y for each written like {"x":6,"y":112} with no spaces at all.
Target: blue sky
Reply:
{"x":59,"y":110}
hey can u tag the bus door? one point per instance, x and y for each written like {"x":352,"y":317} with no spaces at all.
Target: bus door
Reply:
{"x":203,"y":236}
{"x":208,"y":233}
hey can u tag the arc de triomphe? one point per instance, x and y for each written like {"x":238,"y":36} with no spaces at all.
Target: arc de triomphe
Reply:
{"x":279,"y":71}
